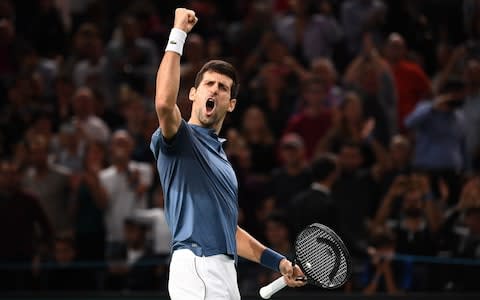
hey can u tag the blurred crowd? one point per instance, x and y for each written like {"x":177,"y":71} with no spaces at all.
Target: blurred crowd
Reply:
{"x":363,"y":115}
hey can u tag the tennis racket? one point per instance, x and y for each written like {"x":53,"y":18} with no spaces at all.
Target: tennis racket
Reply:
{"x":322,"y":257}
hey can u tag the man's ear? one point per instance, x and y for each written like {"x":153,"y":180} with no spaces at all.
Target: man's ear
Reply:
{"x":191,"y":94}
{"x":232,"y":104}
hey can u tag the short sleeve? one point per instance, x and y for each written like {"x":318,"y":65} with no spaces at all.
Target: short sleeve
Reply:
{"x":158,"y":142}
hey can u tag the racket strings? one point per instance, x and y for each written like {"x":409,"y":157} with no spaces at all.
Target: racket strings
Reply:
{"x":318,"y":259}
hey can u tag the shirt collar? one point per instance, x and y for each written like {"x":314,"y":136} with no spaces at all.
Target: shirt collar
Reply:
{"x":208,"y":131}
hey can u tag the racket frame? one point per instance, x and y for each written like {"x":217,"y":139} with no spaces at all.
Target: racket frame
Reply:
{"x":343,"y":250}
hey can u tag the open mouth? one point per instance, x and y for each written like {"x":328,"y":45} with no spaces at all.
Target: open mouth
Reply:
{"x":210,"y":105}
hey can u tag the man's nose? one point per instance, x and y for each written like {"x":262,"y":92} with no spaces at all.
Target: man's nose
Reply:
{"x":214,"y":89}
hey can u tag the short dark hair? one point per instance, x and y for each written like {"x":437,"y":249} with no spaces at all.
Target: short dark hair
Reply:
{"x":221,"y":67}
{"x":323,"y":166}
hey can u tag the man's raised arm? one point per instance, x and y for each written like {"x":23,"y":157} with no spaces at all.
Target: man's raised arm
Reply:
{"x":168,"y":75}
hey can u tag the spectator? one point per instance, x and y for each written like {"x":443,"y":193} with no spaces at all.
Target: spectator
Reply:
{"x":131,"y":59}
{"x":293,"y":175}
{"x":369,"y":74}
{"x":308,"y":35}
{"x":126,"y":183}
{"x":42,"y":124}
{"x":249,"y":30}
{"x":404,"y":195}
{"x":260,"y":139}
{"x":359,"y":17}
{"x":323,"y":69}
{"x":24,"y":229}
{"x":470,"y":249}
{"x":133,"y":266}
{"x":414,"y":21}
{"x":69,"y":152}
{"x":399,"y":161}
{"x":89,"y":204}
{"x":273,"y":95}
{"x":412,"y":84}
{"x":91,"y":70}
{"x":25,"y":105}
{"x":381,"y":271}
{"x":351,"y":125}
{"x":415,"y":226}
{"x":49,"y":183}
{"x":83,"y":40}
{"x":134,"y":113}
{"x":252,"y":190}
{"x":112,"y":116}
{"x":442,"y":155}
{"x":315,"y":205}
{"x":461,"y":240}
{"x":313,"y":121}
{"x":355,"y":196}
{"x":88,"y":125}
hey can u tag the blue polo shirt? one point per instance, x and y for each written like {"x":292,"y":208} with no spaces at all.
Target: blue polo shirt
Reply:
{"x":200,"y":189}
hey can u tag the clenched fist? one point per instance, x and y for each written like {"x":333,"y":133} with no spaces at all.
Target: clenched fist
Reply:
{"x":184,"y":19}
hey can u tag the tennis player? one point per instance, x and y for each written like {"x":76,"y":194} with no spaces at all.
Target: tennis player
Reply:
{"x":199,"y":183}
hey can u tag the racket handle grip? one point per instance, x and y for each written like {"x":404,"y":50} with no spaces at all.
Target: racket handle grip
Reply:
{"x":267,"y":291}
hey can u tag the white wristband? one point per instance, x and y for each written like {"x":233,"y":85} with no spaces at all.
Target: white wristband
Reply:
{"x":176,"y":40}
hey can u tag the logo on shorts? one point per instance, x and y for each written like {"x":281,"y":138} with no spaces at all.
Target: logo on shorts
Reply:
{"x":173,"y":42}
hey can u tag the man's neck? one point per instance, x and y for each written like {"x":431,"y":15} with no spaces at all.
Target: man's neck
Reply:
{"x":216,"y":127}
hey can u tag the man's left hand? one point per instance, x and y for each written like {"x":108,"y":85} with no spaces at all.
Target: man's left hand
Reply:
{"x":291,"y":274}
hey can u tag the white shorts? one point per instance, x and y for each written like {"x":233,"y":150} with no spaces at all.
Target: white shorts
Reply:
{"x":204,"y":278}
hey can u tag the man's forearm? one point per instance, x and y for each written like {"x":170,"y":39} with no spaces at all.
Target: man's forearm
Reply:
{"x":248,"y":247}
{"x":168,"y":82}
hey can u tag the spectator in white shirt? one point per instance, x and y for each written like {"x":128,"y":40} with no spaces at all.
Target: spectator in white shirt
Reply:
{"x":126,"y":183}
